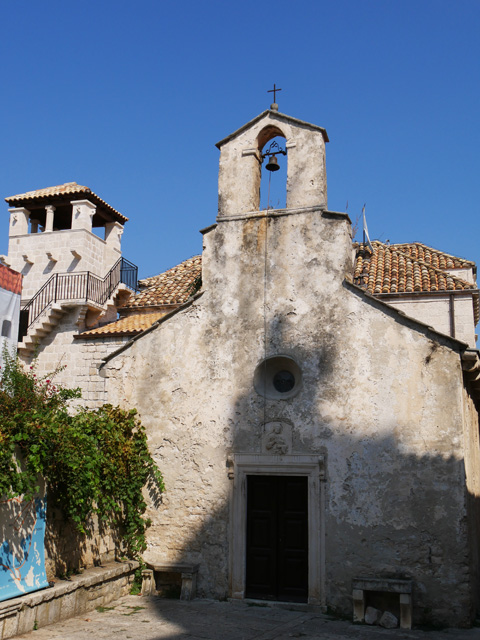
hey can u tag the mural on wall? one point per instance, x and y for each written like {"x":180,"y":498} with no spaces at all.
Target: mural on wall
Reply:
{"x":22,"y":551}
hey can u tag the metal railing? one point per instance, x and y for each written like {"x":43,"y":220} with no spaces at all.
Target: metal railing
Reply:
{"x":81,"y":286}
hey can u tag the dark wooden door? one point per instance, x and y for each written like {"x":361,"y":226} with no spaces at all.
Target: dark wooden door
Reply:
{"x":277,"y":538}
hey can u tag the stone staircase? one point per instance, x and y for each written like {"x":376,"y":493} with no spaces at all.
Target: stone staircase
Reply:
{"x":65,"y":291}
{"x":41,"y":328}
{"x":51,"y":317}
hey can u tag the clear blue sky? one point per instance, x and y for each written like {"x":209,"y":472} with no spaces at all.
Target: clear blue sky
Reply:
{"x":129,"y":98}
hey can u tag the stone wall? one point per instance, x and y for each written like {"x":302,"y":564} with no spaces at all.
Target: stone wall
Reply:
{"x":240,"y":164}
{"x":77,"y":360}
{"x":90,"y":355}
{"x":472,"y":471}
{"x":96,"y":256}
{"x":67,"y":551}
{"x":436,"y":312}
{"x":380,"y":402}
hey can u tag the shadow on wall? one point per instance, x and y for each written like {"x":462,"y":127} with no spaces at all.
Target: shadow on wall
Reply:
{"x":377,"y":524}
{"x":68,"y":551}
{"x":389,"y":507}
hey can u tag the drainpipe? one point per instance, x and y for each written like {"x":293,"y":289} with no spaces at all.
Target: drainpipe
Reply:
{"x":452,"y":315}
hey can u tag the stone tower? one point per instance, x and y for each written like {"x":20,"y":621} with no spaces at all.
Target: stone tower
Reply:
{"x":66,"y":243}
{"x":51,"y":231}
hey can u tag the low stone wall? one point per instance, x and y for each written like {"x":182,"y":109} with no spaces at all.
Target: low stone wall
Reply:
{"x":68,"y":551}
{"x":95,"y":587}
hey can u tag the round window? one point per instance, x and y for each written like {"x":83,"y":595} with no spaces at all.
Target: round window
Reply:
{"x":278,"y":378}
{"x":284,"y":381}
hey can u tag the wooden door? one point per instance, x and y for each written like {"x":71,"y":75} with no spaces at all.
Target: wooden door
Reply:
{"x":277,"y":538}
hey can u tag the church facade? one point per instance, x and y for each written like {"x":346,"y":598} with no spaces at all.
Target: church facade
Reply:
{"x":312,"y":433}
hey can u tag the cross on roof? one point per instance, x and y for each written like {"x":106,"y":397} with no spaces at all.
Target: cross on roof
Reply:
{"x":274,"y":91}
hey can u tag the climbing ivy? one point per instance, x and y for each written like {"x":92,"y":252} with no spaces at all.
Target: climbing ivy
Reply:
{"x":93,"y":462}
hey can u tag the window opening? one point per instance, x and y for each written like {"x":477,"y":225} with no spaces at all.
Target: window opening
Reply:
{"x":6,"y":328}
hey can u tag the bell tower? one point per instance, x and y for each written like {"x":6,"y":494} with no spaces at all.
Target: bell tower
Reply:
{"x":52,"y":231}
{"x":242,"y":155}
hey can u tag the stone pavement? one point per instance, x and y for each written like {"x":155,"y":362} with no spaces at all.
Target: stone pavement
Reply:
{"x":154,"y":618}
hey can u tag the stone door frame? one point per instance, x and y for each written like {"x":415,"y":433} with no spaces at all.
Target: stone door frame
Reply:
{"x":240,"y":466}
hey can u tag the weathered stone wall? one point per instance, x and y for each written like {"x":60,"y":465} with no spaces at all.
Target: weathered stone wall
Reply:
{"x":89,"y":355}
{"x":381,"y":399}
{"x":240,"y":165}
{"x":472,"y":469}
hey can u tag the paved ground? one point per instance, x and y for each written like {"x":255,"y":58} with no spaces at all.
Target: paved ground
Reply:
{"x":153,"y":618}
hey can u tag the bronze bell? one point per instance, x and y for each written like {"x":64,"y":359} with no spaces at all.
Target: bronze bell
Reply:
{"x":273,"y":164}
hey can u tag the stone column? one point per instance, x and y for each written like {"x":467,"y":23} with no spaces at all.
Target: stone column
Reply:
{"x":49,"y":221}
{"x":34,"y":226}
{"x":148,"y":582}
{"x":113,"y":235}
{"x":82,"y":214}
{"x":358,"y":605}
{"x":19,"y":217}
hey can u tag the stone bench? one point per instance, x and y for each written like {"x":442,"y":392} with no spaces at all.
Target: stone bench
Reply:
{"x":402,"y":587}
{"x":187,"y":571}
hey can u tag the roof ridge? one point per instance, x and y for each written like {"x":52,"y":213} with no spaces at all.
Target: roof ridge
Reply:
{"x":400,"y":245}
{"x":199,"y":255}
{"x":426,"y":246}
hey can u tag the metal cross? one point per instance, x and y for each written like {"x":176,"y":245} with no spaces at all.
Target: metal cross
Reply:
{"x":274,"y":91}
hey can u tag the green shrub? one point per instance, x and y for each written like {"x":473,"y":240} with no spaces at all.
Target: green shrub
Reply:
{"x":93,"y":462}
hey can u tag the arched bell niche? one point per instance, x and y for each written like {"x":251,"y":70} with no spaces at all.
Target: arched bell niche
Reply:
{"x":299,"y":185}
{"x":273,"y":184}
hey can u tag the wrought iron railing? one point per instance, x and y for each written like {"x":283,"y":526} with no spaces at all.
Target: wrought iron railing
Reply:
{"x":82,"y":285}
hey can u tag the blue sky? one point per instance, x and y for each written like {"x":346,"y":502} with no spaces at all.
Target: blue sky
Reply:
{"x":129,"y":98}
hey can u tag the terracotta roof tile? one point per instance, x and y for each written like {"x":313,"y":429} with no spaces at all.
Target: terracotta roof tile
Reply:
{"x":128,"y":326}
{"x":409,"y":268}
{"x":69,"y":188}
{"x":10,"y":280}
{"x":174,"y":286}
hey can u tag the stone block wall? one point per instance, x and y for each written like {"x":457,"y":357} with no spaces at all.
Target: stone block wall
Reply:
{"x":77,"y":360}
{"x":90,"y":355}
{"x":96,"y":256}
{"x":435,"y":311}
{"x":68,"y":551}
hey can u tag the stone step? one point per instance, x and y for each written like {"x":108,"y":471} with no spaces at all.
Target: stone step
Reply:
{"x":41,"y":328}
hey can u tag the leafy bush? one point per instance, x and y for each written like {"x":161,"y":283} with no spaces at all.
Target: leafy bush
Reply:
{"x":94,"y":462}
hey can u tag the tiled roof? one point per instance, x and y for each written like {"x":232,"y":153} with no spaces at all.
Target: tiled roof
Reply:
{"x":174,"y":286}
{"x":69,"y":188}
{"x":128,"y":326}
{"x":407,"y":268}
{"x":10,"y":280}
